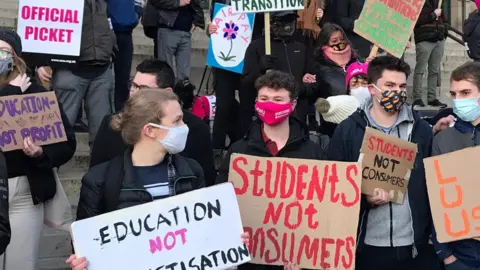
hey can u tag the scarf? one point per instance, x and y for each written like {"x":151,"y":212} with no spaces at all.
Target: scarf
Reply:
{"x":340,"y":58}
{"x":307,"y":19}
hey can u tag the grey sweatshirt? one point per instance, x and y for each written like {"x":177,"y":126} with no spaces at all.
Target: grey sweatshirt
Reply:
{"x":391,"y":224}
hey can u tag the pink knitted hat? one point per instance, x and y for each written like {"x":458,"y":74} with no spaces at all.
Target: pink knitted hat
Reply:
{"x":356,"y":69}
{"x":477,"y":2}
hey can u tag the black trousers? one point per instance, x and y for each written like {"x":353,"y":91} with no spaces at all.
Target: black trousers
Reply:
{"x":391,"y":258}
{"x":227,"y":108}
{"x":122,"y":67}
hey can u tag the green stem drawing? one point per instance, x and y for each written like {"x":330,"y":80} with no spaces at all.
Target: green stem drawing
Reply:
{"x":228,"y":57}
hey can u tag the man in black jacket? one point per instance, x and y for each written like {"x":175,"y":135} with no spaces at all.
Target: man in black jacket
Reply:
{"x":176,"y":20}
{"x":391,"y":236}
{"x":157,"y":74}
{"x":287,"y":55}
{"x":430,"y":34}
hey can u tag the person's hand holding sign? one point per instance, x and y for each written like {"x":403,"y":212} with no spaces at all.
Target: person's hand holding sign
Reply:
{"x":184,"y":2}
{"x":380,"y":196}
{"x":309,"y":78}
{"x":31,"y":149}
{"x":81,"y":263}
{"x":212,"y":28}
{"x":22,"y":81}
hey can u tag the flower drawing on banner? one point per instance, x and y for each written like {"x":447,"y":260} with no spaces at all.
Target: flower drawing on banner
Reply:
{"x":230,"y":33}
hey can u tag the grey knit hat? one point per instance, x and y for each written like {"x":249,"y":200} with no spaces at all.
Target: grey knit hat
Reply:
{"x":13,"y":39}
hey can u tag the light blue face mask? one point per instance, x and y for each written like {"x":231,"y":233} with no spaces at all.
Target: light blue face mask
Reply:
{"x":467,"y":109}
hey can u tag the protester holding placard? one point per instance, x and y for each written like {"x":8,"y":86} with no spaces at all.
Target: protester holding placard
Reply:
{"x":31,"y":180}
{"x":150,"y":74}
{"x":287,"y":56}
{"x":391,"y":236}
{"x":465,"y":92}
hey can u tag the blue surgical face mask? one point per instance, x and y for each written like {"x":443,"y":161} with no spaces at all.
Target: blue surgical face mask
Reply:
{"x":467,"y":109}
{"x":176,"y":138}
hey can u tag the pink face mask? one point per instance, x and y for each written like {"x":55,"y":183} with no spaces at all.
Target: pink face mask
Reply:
{"x":273,"y":113}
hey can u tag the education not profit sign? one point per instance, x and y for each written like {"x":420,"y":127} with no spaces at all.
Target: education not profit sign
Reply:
{"x":386,"y":163}
{"x":196,"y":230}
{"x":302,"y":211}
{"x":452,"y":182}
{"x":35,"y":115}
{"x":389,"y":23}
{"x":51,"y":26}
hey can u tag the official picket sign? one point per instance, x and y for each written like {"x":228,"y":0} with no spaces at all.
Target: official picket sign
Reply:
{"x":34,"y":115}
{"x":452,"y":182}
{"x":51,"y":26}
{"x":302,"y":211}
{"x":196,"y":230}
{"x":253,"y":6}
{"x":389,"y":23}
{"x":386,"y":163}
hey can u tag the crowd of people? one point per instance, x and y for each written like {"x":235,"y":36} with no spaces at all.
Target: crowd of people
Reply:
{"x":311,"y":98}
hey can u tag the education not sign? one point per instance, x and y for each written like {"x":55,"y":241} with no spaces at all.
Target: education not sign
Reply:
{"x":303,"y":211}
{"x":389,"y":23}
{"x":452,"y":182}
{"x":51,"y":26}
{"x":386,"y":163}
{"x":249,"y":6}
{"x":35,"y":115}
{"x":196,"y":230}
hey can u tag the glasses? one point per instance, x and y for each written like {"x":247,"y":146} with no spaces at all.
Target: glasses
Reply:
{"x":134,"y":86}
{"x":4,"y":54}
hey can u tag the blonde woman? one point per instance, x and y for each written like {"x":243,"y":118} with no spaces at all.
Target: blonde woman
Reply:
{"x":31,"y":180}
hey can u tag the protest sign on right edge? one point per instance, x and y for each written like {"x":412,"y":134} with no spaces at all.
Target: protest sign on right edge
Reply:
{"x":452,"y":182}
{"x":303,"y":211}
{"x":386,"y":164}
{"x":389,"y":24}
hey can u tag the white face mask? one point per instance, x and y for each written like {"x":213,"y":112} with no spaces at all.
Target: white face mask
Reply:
{"x":362,"y":94}
{"x":176,"y":138}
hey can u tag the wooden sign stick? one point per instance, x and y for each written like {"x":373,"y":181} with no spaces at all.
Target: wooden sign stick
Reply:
{"x":440,"y":3}
{"x":268,"y":50}
{"x":373,"y":52}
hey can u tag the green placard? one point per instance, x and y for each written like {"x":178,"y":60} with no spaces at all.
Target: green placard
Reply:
{"x":389,"y":23}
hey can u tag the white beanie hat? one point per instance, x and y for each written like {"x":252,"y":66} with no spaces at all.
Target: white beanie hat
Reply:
{"x":335,"y":109}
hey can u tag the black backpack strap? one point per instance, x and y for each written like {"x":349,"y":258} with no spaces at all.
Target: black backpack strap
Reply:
{"x":113,"y":184}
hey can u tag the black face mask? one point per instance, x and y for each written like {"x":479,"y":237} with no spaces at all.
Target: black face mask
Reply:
{"x":283,"y":29}
{"x":339,"y":46}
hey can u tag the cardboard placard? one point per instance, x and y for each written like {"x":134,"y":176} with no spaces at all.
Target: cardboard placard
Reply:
{"x":389,"y":24}
{"x":452,"y":182}
{"x":228,"y":45}
{"x":34,"y":115}
{"x":51,"y":26}
{"x":302,"y":211}
{"x":199,"y":229}
{"x":253,"y":6}
{"x":386,"y":163}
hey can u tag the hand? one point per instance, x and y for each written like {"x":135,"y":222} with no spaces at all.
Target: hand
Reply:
{"x":451,"y":259}
{"x":31,"y":149}
{"x":193,"y":28}
{"x":184,"y":2}
{"x":268,"y":62}
{"x":380,"y":196}
{"x":290,"y":266}
{"x":319,"y":13}
{"x":77,"y":263}
{"x":212,"y":29}
{"x":409,"y":44}
{"x":309,"y":78}
{"x":245,"y":238}
{"x":438,"y":12}
{"x":43,"y":74}
{"x":443,"y":123}
{"x":22,"y":81}
{"x":369,"y":59}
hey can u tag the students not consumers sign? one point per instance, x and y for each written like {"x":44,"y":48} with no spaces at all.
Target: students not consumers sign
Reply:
{"x":197,"y":230}
{"x":302,"y":211}
{"x":389,"y":23}
{"x":51,"y":26}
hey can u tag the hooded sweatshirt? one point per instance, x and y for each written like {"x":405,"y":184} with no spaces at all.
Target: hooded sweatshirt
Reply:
{"x":390,"y":225}
{"x":462,"y":135}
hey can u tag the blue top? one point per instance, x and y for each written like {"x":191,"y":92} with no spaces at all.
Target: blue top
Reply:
{"x":154,"y":179}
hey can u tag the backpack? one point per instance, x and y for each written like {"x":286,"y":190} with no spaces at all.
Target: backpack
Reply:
{"x":322,"y":140}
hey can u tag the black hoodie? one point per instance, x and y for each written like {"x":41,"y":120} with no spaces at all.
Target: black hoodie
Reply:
{"x":298,"y":145}
{"x":471,"y":35}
